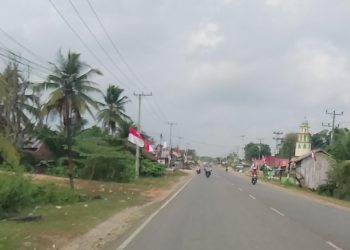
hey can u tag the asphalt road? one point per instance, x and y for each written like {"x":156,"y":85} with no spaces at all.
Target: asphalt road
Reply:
{"x":227,"y":212}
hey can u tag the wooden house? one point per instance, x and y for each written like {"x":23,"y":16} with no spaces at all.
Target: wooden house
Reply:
{"x":312,"y":168}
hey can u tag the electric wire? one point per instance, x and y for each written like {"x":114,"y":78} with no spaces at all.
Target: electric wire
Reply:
{"x":99,"y":43}
{"x":122,"y":57}
{"x":21,"y":45}
{"x":82,"y":41}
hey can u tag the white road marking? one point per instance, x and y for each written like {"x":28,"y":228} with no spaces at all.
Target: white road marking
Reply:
{"x":138,"y":230}
{"x":233,"y":184}
{"x":333,"y":245}
{"x":251,"y":196}
{"x":240,"y":189}
{"x":276,"y":211}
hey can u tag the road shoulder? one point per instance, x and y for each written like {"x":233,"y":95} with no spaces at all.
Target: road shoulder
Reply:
{"x":116,"y":228}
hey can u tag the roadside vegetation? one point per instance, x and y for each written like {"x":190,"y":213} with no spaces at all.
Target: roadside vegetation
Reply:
{"x":67,"y":214}
{"x":52,"y":135}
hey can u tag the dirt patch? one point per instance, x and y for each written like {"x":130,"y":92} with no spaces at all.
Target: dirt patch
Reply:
{"x":117,"y":225}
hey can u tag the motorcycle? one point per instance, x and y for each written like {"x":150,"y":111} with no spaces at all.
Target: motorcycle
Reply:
{"x":207,"y":173}
{"x":198,"y":170}
{"x":254,"y":179}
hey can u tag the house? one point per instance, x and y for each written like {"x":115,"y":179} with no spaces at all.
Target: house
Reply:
{"x":271,"y":162}
{"x":312,"y":168}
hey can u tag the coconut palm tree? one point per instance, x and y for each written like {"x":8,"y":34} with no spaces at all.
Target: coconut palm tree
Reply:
{"x":113,"y":113}
{"x":70,"y":87}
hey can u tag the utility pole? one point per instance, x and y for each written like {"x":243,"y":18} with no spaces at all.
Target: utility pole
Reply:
{"x":171,"y":124}
{"x":334,"y":114}
{"x":260,"y":139}
{"x":242,"y":137}
{"x":277,"y":139}
{"x":137,"y":161}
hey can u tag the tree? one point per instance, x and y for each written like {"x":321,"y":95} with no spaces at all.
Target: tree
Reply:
{"x":254,"y":150}
{"x":18,"y":104}
{"x":288,"y":145}
{"x":340,"y":146}
{"x":70,"y":85}
{"x":232,"y":158}
{"x":123,"y":129}
{"x":321,"y":139}
{"x":113,"y":112}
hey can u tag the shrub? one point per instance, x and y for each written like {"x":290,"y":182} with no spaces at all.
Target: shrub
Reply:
{"x":50,"y":193}
{"x":108,"y":168}
{"x":17,"y":192}
{"x":326,"y":189}
{"x":340,"y":175}
{"x":151,"y":169}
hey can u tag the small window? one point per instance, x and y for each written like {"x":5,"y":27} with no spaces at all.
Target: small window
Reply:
{"x":304,"y":145}
{"x":299,"y":146}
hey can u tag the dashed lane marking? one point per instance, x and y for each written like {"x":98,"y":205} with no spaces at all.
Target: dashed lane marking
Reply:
{"x":251,"y":196}
{"x":276,"y":211}
{"x":333,"y":245}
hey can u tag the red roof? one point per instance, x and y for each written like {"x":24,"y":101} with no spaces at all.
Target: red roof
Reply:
{"x":271,"y":161}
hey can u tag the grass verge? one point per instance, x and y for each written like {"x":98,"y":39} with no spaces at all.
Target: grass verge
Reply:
{"x":62,"y":223}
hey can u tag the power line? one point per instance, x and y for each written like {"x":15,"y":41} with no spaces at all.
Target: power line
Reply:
{"x":333,"y":114}
{"x":21,"y":45}
{"x":120,"y":54}
{"x":98,"y":42}
{"x":38,"y":72}
{"x":82,"y":41}
{"x":25,"y":59}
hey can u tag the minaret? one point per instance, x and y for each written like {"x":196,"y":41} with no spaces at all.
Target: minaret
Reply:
{"x":303,"y":145}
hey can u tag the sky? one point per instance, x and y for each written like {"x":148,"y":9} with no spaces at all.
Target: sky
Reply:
{"x":219,"y":69}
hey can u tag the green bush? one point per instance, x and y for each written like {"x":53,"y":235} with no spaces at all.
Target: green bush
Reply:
{"x":326,"y":189}
{"x":17,"y":192}
{"x":151,"y":169}
{"x":108,"y":168}
{"x":340,"y":175}
{"x":50,"y":193}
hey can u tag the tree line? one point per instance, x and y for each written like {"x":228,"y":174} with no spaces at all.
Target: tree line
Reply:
{"x":71,"y":96}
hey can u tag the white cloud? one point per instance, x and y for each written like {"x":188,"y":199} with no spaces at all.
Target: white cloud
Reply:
{"x":207,"y":37}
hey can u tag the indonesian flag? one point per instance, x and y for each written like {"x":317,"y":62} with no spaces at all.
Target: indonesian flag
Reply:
{"x":313,"y":155}
{"x":176,"y":153}
{"x":148,"y":147}
{"x":135,"y":137}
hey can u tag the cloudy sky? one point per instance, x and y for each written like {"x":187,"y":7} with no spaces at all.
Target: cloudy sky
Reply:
{"x":220,"y":69}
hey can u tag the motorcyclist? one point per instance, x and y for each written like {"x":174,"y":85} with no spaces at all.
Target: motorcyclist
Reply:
{"x":254,"y":171}
{"x":207,"y":168}
{"x":254,"y":174}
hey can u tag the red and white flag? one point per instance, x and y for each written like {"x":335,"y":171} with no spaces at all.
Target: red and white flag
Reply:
{"x":135,"y":137}
{"x":148,"y":147}
{"x":313,"y":155}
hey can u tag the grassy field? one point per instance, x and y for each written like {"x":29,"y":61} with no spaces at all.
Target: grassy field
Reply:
{"x":62,"y":223}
